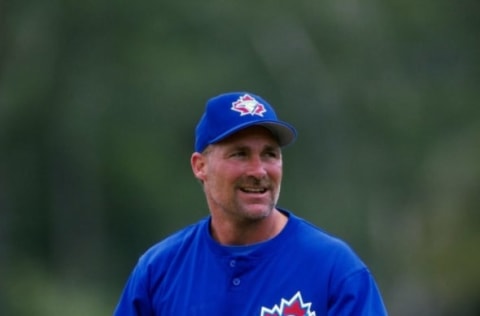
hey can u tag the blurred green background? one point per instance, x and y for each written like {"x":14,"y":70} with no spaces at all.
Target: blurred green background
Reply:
{"x":98,"y":103}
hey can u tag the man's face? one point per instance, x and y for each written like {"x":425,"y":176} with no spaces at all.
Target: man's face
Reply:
{"x":241,"y":175}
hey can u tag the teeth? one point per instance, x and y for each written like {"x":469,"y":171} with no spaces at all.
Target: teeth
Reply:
{"x":254,"y":190}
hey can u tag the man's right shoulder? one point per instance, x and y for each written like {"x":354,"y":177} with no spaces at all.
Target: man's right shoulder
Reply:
{"x":174,"y":244}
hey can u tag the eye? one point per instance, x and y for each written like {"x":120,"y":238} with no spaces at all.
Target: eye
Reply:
{"x":272,"y":154}
{"x":238,"y":153}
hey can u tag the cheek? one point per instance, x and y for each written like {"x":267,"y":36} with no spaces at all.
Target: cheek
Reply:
{"x":279,"y":177}
{"x":225,"y":172}
{"x":217,"y":177}
{"x":276,"y":173}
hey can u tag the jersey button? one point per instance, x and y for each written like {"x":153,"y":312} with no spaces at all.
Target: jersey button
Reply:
{"x":236,"y":281}
{"x":233,"y":263}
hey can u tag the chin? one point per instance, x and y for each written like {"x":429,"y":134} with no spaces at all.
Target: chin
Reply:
{"x":258,"y":214}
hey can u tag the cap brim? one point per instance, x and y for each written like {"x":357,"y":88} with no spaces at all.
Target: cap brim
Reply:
{"x":285,"y":133}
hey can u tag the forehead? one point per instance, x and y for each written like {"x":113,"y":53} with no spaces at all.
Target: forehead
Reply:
{"x":251,"y":134}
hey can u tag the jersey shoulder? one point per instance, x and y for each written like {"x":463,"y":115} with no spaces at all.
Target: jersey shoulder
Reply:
{"x":307,"y":231}
{"x":173,"y":244}
{"x":324,"y":245}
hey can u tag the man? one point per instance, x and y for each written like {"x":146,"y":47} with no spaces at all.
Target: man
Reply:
{"x":248,"y":257}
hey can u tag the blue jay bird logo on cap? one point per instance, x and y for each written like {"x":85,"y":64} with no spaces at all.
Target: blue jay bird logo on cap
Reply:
{"x":247,"y":104}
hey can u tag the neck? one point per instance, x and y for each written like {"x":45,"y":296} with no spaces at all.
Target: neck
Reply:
{"x":234,"y":233}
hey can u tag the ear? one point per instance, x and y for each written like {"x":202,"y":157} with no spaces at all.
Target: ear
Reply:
{"x":198,"y":162}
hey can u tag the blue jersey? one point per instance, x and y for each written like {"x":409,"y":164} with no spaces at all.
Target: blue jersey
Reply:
{"x":301,"y":271}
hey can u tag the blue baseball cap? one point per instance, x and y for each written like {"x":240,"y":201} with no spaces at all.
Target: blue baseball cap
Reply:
{"x":231,"y":112}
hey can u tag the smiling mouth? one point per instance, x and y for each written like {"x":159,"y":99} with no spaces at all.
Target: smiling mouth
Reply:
{"x":254,"y":190}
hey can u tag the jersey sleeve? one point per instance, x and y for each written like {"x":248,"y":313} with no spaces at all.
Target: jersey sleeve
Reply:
{"x":358,"y":295}
{"x":135,"y":300}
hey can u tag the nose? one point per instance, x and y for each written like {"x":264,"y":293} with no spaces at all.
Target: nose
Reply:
{"x":256,"y":167}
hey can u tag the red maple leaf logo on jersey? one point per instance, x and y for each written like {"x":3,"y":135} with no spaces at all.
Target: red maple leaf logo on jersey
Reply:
{"x":247,"y":104}
{"x":292,"y":307}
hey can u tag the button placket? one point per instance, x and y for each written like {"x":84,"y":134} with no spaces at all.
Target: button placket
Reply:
{"x":235,"y":279}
